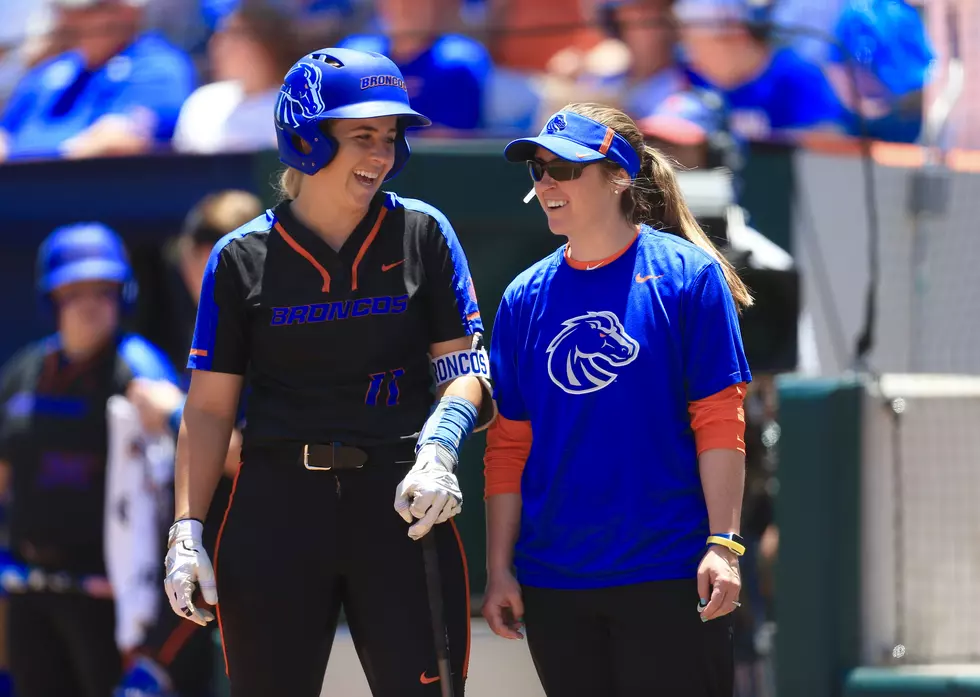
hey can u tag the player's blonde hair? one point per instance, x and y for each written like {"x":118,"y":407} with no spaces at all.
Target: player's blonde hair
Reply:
{"x":655,"y":195}
{"x":290,"y":182}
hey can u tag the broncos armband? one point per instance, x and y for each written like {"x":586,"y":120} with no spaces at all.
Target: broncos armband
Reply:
{"x":472,"y":361}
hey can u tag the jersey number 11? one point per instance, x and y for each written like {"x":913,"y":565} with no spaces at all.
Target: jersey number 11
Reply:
{"x":374,"y":389}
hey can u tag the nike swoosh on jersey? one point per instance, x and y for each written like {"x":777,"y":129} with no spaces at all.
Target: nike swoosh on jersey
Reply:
{"x":389,"y":267}
{"x":642,"y":279}
{"x":426,"y":680}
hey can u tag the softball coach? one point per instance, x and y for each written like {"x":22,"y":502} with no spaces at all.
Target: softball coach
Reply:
{"x":621,"y":353}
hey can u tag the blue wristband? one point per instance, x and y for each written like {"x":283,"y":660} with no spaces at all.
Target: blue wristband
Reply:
{"x":175,"y":417}
{"x":452,"y":420}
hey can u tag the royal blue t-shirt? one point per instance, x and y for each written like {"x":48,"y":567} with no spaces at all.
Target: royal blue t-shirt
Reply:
{"x":149,"y":81}
{"x":603,"y":363}
{"x":446,"y":82}
{"x":789,"y":94}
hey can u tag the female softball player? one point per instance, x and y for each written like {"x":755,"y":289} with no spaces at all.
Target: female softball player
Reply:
{"x":54,"y":446}
{"x":621,"y":353}
{"x":340,"y":304}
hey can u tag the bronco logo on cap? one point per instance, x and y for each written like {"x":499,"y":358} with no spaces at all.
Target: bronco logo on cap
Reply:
{"x":557,"y":123}
{"x":382,"y":81}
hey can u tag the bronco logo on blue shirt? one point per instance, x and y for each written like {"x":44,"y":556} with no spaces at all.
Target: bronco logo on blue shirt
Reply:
{"x":585,"y":354}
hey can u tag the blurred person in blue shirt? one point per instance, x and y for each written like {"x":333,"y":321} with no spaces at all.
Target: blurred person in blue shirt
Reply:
{"x":117,"y":92}
{"x":770,"y":90}
{"x":886,"y":45}
{"x":647,"y":29}
{"x":255,"y":45}
{"x":446,"y":74}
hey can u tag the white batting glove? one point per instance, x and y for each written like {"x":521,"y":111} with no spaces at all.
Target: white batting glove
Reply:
{"x":430,"y":491}
{"x":187,"y":565}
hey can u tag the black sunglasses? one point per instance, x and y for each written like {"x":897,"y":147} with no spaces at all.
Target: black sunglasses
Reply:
{"x":560,"y":170}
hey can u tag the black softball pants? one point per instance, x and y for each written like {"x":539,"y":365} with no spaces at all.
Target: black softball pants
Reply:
{"x":644,"y":639}
{"x":62,"y":645}
{"x":295,"y":546}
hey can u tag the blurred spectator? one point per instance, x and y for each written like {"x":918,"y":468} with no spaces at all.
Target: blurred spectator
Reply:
{"x":16,"y":19}
{"x":250,"y":53}
{"x":446,"y":74}
{"x":770,"y":90}
{"x":647,"y":29}
{"x":956,"y":24}
{"x":688,"y":126}
{"x":885,"y":44}
{"x":807,"y":26}
{"x":117,"y":92}
{"x":524,"y":35}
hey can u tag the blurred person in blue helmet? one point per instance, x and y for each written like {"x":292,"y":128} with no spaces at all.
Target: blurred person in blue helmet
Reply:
{"x":885,"y":44}
{"x":351,"y":315}
{"x":54,"y":457}
{"x":446,"y":74}
{"x":117,"y":91}
{"x":771,"y":91}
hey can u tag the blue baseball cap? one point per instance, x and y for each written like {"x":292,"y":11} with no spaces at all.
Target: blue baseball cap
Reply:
{"x":683,"y":118}
{"x":887,"y":38}
{"x":577,"y":138}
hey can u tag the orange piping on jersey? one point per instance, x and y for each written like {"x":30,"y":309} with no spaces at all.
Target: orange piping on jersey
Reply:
{"x":199,"y":352}
{"x":175,"y":642}
{"x":306,"y":255}
{"x":466,"y":580}
{"x":508,"y":447}
{"x":592,"y":265}
{"x":472,"y":316}
{"x":718,"y":420}
{"x":364,"y":247}
{"x":214,"y":566}
{"x":607,"y":141}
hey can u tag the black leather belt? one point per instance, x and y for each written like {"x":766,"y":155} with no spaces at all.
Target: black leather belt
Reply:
{"x":333,"y":456}
{"x":337,"y":456}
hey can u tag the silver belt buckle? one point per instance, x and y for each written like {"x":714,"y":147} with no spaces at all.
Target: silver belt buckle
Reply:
{"x":306,"y":460}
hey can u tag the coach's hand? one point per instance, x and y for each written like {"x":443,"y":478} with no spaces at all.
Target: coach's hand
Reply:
{"x":718,"y":575}
{"x":503,"y":605}
{"x":430,"y":491}
{"x":187,"y":565}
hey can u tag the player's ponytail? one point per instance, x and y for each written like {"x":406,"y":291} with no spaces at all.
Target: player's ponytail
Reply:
{"x":655,"y":197}
{"x":289,"y":183}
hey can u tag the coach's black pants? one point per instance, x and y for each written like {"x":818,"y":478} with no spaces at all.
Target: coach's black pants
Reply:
{"x":644,"y":639}
{"x":62,"y":645}
{"x":295,"y":546}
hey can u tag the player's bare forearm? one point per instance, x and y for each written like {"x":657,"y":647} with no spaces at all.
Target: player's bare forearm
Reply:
{"x":723,"y":482}
{"x":503,"y":527}
{"x":466,"y":387}
{"x":234,"y":456}
{"x":203,"y":442}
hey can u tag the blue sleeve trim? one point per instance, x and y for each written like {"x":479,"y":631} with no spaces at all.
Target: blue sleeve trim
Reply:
{"x":206,"y":325}
{"x":146,"y":360}
{"x":469,"y":308}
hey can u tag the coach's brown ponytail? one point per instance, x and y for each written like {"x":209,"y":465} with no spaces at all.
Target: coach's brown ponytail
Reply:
{"x":655,"y":196}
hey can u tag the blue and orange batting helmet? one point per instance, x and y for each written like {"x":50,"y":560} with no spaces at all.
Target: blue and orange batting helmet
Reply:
{"x":339,"y":83}
{"x":84,"y":252}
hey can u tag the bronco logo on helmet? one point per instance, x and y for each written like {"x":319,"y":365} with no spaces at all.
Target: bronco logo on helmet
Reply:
{"x":300,"y":95}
